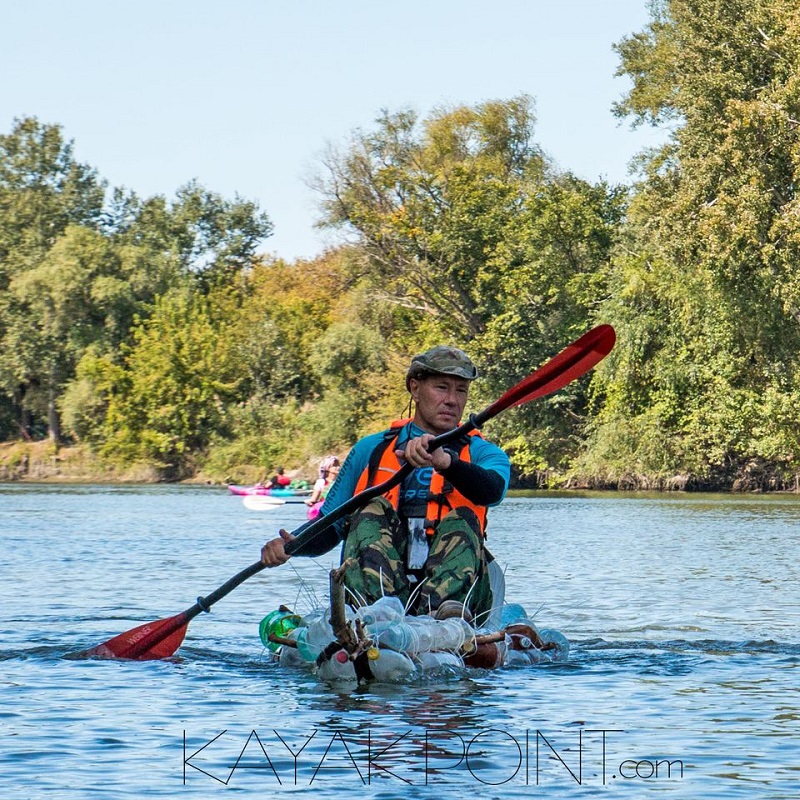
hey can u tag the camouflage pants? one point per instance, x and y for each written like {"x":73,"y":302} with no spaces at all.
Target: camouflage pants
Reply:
{"x":375,"y":557}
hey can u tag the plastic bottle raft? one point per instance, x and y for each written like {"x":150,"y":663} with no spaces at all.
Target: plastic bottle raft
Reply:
{"x":380,"y":642}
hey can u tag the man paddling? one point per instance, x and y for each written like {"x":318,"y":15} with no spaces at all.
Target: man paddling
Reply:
{"x":424,"y":541}
{"x":160,"y":639}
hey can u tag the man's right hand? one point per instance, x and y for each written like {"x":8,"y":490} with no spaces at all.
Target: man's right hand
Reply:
{"x":273,"y":553}
{"x":416,"y":453}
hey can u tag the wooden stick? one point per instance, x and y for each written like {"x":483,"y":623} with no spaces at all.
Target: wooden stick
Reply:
{"x":341,"y":628}
{"x":273,"y":637}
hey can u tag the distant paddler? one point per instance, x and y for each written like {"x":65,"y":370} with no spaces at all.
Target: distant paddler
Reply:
{"x":277,"y":481}
{"x":328,"y":472}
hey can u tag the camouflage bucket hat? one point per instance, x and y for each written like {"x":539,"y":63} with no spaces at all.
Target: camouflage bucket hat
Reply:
{"x":442,"y":360}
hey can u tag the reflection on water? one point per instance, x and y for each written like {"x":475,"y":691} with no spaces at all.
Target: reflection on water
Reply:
{"x":682,"y":610}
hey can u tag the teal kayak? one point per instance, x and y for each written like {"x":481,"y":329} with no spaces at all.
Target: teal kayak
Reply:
{"x":267,"y":490}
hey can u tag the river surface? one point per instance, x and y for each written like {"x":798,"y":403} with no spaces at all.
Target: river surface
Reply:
{"x":683,"y":612}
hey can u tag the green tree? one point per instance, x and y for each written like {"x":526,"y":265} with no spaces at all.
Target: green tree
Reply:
{"x":75,"y":272}
{"x":199,"y":233}
{"x":431,"y":202}
{"x":553,"y":269}
{"x":462,"y":223}
{"x":706,"y":296}
{"x":43,"y":192}
{"x":52,"y":312}
{"x":286,"y":307}
{"x":169,"y":396}
{"x":346,"y":355}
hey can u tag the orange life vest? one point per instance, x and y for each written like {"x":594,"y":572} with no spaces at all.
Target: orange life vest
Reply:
{"x":441,"y":495}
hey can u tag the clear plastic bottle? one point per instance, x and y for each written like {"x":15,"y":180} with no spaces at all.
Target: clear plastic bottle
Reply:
{"x":315,"y":636}
{"x":561,"y":650}
{"x":422,"y":628}
{"x":391,"y":666}
{"x":383,"y":609}
{"x":422,"y":634}
{"x":337,"y":668}
{"x":290,"y":656}
{"x":518,"y":658}
{"x":442,"y":660}
{"x":452,"y":633}
{"x":395,"y":635}
{"x":513,"y":613}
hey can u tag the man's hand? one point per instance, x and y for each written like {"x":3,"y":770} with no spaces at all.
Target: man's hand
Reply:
{"x":416,"y":453}
{"x":272,"y":553}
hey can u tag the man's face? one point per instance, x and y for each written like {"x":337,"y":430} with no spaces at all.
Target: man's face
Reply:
{"x":440,"y":401}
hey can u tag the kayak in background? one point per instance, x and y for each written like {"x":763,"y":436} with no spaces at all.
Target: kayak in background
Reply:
{"x":263,"y":491}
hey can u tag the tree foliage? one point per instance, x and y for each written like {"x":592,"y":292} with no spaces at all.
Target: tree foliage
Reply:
{"x":169,"y":395}
{"x":463,"y":223}
{"x":431,"y":202}
{"x":705,"y":290}
{"x":43,"y":191}
{"x":76,"y":272}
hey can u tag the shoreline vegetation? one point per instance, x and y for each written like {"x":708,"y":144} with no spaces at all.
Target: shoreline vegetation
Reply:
{"x":42,"y":462}
{"x":158,"y":335}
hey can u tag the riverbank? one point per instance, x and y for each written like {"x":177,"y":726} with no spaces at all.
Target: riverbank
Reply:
{"x":43,"y":462}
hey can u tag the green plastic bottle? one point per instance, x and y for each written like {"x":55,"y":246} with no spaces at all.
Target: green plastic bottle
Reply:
{"x":279,"y":623}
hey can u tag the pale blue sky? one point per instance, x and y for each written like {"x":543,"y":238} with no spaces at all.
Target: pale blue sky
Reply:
{"x":244,"y":95}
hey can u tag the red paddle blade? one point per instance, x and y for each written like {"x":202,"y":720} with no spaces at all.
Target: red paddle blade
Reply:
{"x":572,"y":362}
{"x":150,"y":641}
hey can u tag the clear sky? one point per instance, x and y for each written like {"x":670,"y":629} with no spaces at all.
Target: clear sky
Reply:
{"x":244,"y":95}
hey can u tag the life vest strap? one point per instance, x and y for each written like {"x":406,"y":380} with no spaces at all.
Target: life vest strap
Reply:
{"x":439,"y":497}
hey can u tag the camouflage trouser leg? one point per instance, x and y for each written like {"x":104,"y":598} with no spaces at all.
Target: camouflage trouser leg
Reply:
{"x":375,"y":553}
{"x":456,"y":568}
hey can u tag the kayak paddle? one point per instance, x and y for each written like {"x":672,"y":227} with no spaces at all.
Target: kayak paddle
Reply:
{"x":256,"y":502}
{"x":162,"y":638}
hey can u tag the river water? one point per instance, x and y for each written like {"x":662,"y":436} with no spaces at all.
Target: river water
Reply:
{"x":683,"y":612}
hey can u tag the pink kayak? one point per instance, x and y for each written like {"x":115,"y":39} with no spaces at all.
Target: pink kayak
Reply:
{"x":266,"y":490}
